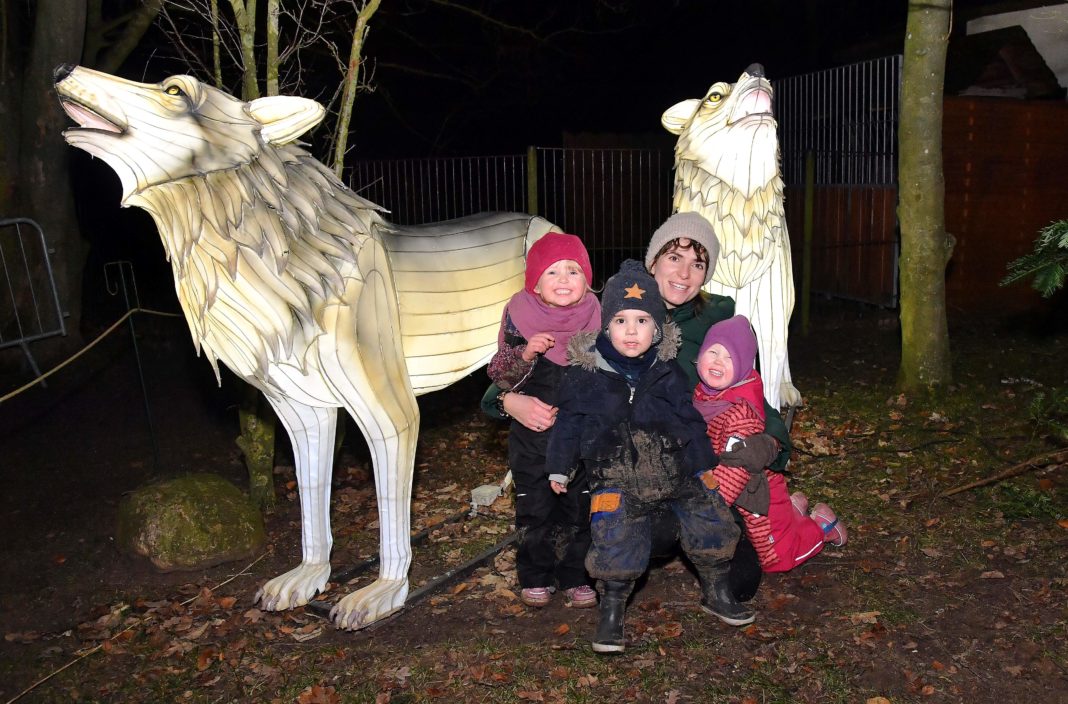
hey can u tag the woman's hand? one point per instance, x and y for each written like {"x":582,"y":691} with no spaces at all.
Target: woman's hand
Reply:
{"x":531,"y":412}
{"x":538,"y":344}
{"x":557,"y":487}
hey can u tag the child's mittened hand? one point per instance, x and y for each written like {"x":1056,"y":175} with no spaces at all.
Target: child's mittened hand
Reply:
{"x":558,"y":488}
{"x":538,"y":344}
{"x":753,"y":453}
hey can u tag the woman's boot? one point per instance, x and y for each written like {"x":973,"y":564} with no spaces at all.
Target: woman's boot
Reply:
{"x":609,"y":636}
{"x":719,"y":599}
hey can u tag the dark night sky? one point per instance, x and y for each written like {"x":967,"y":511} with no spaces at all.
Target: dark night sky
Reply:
{"x":596,"y":71}
{"x":500,"y":75}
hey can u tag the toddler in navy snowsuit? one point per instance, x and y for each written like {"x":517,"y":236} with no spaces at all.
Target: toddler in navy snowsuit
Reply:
{"x":625,"y":419}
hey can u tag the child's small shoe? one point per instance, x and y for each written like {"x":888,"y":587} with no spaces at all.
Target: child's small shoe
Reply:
{"x":536,"y":596}
{"x":800,"y":502}
{"x":834,"y":531}
{"x":581,"y":597}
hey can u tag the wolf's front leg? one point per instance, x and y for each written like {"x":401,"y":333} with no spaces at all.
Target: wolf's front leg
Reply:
{"x":394,"y":463}
{"x":311,"y":430}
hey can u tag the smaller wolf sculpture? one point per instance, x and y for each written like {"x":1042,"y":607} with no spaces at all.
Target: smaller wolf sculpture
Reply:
{"x":727,"y":169}
{"x":303,"y":289}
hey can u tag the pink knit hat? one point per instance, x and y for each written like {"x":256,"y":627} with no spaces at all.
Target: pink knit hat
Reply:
{"x":554,"y":247}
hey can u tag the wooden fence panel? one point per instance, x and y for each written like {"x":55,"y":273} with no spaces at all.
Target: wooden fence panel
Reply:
{"x":1006,"y":164}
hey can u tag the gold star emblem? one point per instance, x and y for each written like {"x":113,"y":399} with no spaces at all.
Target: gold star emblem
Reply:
{"x":634,"y":292}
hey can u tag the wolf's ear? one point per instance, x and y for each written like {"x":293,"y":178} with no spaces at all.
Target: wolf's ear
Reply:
{"x":676,"y":117}
{"x":285,"y":117}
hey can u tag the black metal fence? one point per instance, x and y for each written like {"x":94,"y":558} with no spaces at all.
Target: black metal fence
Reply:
{"x":614,"y":198}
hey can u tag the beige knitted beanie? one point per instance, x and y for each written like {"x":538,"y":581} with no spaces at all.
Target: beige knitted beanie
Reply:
{"x":691,"y":226}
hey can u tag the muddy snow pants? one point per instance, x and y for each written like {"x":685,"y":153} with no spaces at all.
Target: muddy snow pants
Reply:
{"x":621,"y":527}
{"x":554,"y":529}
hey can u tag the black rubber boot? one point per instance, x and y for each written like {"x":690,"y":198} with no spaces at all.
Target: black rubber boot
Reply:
{"x":609,"y":636}
{"x":745,"y":572}
{"x":719,"y":599}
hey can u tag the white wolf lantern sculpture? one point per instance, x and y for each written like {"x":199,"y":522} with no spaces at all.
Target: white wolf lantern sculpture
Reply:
{"x":727,"y":169}
{"x":303,"y":289}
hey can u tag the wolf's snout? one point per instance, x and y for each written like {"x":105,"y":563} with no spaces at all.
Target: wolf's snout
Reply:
{"x":755,"y":70}
{"x":62,"y":71}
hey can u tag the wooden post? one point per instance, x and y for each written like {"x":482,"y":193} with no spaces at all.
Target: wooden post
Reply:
{"x":806,"y":233}
{"x":532,"y":180}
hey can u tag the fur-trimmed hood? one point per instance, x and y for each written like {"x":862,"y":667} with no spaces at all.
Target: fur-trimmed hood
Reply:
{"x":581,"y":351}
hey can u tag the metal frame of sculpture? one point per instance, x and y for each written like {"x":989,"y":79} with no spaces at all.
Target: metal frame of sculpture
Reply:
{"x":727,"y":169}
{"x":305,"y":290}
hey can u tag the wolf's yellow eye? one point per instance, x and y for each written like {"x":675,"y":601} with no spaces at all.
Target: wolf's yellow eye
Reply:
{"x":173,"y":90}
{"x":714,"y":97}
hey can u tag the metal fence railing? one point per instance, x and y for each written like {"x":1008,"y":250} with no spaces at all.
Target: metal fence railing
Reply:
{"x":29,"y":303}
{"x":417,"y":191}
{"x":847,"y":119}
{"x":614,"y":198}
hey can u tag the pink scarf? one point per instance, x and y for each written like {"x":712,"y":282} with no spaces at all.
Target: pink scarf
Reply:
{"x":531,"y":316}
{"x":710,"y":403}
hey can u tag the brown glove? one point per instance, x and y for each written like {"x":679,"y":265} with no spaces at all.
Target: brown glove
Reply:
{"x":754,"y":453}
{"x":756,"y":496}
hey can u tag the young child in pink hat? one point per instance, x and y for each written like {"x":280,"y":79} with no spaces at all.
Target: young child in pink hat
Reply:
{"x":730,"y":397}
{"x":538,"y":322}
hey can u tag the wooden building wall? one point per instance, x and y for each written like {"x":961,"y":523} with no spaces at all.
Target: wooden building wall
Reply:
{"x":1006,"y":170}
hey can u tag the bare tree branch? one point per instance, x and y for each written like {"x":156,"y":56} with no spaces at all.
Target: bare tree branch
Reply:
{"x":352,"y":77}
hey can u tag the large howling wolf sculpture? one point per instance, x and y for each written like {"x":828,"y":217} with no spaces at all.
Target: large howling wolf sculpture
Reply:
{"x":303,"y":289}
{"x":727,"y":169}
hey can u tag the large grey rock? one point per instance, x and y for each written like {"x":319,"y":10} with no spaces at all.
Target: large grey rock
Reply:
{"x":189,"y":523}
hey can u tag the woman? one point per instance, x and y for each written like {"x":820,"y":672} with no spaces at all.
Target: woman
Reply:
{"x":681,"y":257}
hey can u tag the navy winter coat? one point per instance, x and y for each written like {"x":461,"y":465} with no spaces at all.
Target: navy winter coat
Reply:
{"x":645,"y":445}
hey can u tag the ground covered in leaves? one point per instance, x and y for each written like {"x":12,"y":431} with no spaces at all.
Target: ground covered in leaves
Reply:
{"x":935,"y":598}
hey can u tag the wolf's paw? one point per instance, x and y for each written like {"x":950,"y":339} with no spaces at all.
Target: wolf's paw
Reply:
{"x":375,"y":601}
{"x":294,"y":588}
{"x":789,"y":395}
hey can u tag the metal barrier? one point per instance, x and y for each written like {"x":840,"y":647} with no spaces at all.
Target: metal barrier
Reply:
{"x":30,"y":303}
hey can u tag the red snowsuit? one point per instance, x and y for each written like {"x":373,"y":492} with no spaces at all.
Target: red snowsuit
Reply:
{"x":784,"y":538}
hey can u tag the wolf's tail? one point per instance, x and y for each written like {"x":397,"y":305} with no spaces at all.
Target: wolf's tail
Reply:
{"x":537,"y":228}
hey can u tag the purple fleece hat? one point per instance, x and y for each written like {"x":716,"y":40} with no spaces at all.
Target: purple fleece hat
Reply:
{"x":736,"y":335}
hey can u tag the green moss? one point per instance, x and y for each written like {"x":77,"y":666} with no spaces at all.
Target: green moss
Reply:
{"x":189,"y":523}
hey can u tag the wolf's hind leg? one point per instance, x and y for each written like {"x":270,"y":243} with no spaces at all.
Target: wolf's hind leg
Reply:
{"x":311,"y":431}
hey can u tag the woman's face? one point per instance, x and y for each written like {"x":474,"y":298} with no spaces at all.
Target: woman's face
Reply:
{"x":679,"y":274}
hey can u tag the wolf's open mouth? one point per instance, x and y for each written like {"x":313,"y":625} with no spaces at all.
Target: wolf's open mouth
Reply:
{"x":87,"y":119}
{"x":755,"y":103}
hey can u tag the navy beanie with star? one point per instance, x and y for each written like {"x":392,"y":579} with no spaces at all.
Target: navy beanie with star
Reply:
{"x":632,"y":289}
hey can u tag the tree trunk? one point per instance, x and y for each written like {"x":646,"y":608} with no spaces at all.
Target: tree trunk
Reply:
{"x":925,"y":245}
{"x":43,"y":189}
{"x":257,"y":443}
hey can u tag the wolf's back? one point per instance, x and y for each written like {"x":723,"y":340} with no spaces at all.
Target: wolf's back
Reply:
{"x":453,"y":279}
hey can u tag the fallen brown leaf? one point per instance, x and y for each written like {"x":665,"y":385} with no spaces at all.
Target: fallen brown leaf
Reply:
{"x":561,"y":630}
{"x":318,"y":694}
